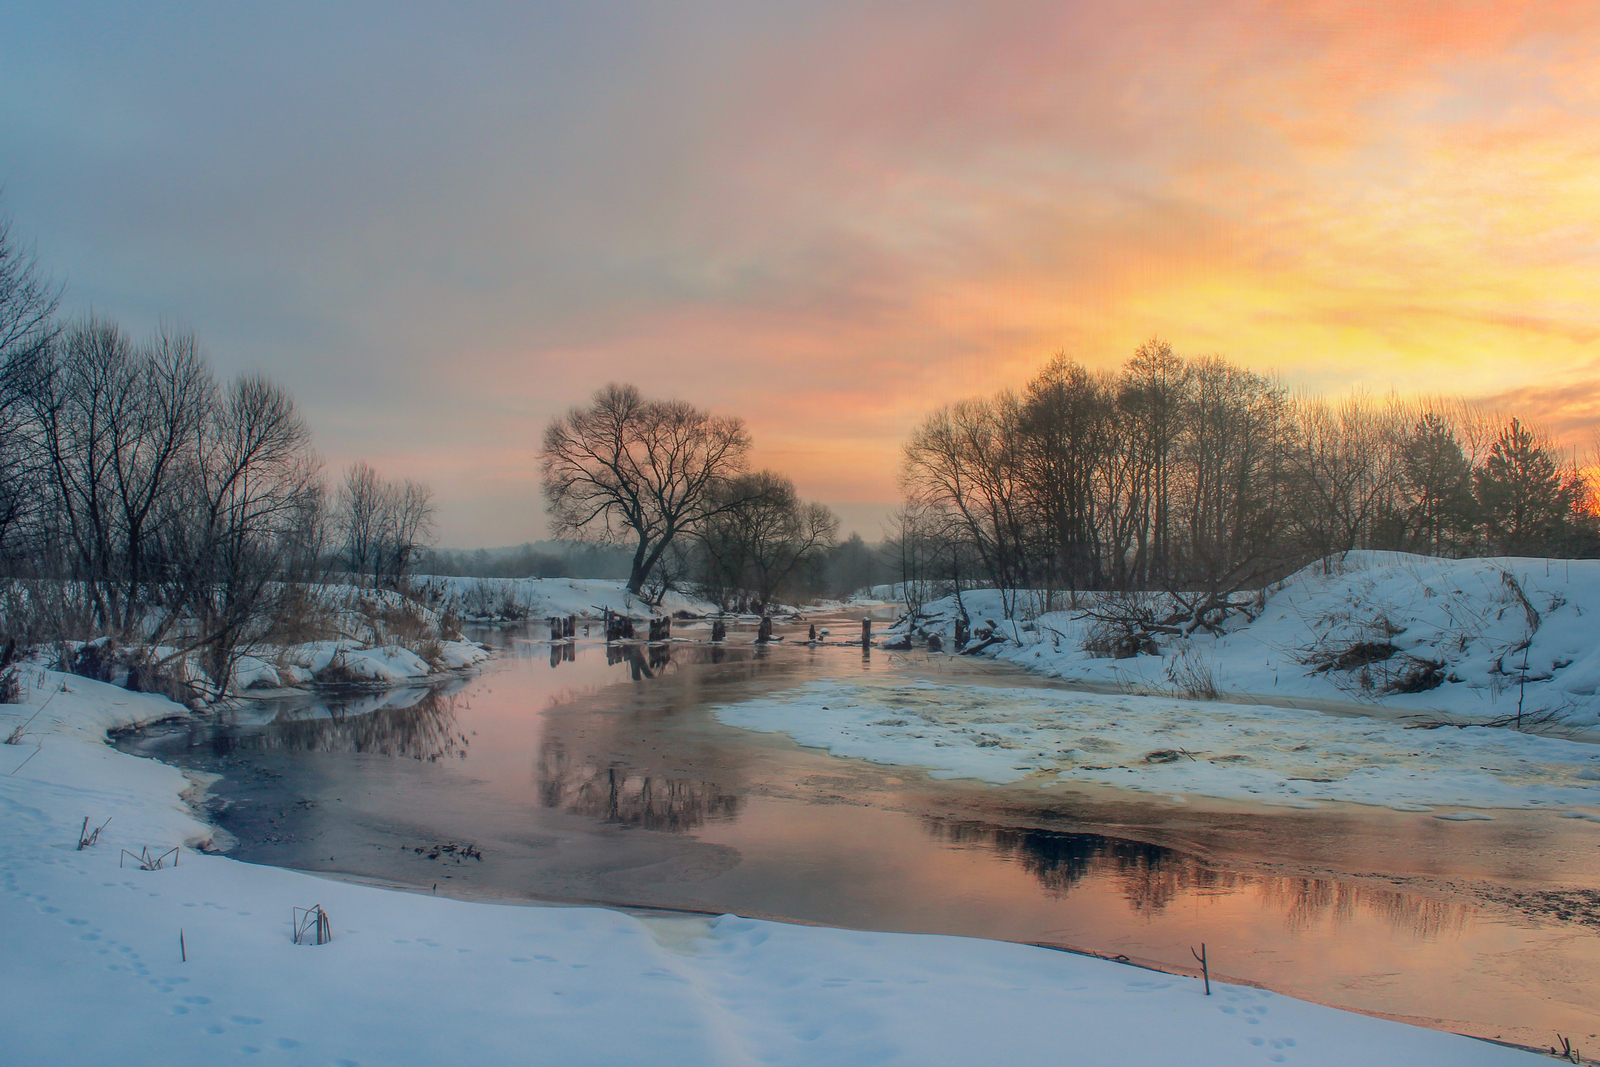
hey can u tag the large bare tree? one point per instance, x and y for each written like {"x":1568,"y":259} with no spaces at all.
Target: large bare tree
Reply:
{"x":626,"y":469}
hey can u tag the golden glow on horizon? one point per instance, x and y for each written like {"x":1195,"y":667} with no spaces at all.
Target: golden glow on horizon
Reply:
{"x":832,"y":220}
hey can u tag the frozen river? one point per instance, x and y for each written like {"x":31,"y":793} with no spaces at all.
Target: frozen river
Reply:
{"x":579,"y":773}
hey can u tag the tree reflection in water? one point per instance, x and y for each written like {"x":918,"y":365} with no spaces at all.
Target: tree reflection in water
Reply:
{"x":1307,"y":901}
{"x":415,"y":723}
{"x":642,"y":662}
{"x":1153,"y":876}
{"x":612,"y":795}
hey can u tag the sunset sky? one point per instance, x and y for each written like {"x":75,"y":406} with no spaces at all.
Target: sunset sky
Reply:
{"x":439,"y":225}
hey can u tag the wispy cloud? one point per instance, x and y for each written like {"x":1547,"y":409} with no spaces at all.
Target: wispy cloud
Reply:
{"x":439,"y":227}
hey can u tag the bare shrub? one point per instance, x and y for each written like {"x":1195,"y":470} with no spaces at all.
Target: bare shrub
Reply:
{"x":1192,"y":676}
{"x":135,"y":669}
{"x":431,"y":651}
{"x":305,"y":617}
{"x":1418,"y":676}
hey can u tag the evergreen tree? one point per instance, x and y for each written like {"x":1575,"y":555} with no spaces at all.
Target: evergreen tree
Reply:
{"x":1527,"y":500}
{"x":1438,"y":487}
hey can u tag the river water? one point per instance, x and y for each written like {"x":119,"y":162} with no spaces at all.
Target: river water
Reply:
{"x":581,"y":774}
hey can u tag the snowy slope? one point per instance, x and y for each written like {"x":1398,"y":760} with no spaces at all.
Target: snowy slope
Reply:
{"x":94,"y":973}
{"x":1498,"y":629}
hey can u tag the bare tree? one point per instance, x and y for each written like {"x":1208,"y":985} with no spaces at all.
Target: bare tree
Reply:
{"x":27,"y":307}
{"x":968,"y":461}
{"x":28,"y":300}
{"x":359,"y":517}
{"x":752,"y":549}
{"x":384,"y":525}
{"x":629,"y":470}
{"x":252,"y":523}
{"x":116,"y":426}
{"x":407,"y":529}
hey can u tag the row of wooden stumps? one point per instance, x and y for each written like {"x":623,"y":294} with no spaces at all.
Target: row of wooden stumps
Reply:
{"x":620,"y":628}
{"x":563,"y":629}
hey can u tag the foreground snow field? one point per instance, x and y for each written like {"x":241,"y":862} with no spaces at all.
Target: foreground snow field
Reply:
{"x":94,"y":974}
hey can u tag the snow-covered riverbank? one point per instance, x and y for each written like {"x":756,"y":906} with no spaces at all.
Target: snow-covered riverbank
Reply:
{"x":95,"y":972}
{"x":1496,"y":635}
{"x":1469,"y":639}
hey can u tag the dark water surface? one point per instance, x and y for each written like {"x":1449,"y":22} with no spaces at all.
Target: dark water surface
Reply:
{"x":586,"y":774}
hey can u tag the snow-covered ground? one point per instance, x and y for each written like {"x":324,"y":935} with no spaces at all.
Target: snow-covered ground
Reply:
{"x":542,"y":598}
{"x":1500,"y":630}
{"x":95,"y":974}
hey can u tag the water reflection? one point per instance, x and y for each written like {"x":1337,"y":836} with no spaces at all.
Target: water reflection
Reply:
{"x":1309,"y":902}
{"x":642,"y":663}
{"x":613,"y":795}
{"x":1150,"y":877}
{"x":412,"y":723}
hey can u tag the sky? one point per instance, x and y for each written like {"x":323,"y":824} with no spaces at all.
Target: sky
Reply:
{"x":441,"y":225}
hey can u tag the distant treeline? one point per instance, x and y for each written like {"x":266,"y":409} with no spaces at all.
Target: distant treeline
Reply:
{"x":1177,"y":473}
{"x":837,"y":570}
{"x":531,"y":559}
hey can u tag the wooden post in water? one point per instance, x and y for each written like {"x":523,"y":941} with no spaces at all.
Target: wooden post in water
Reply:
{"x":866,"y":634}
{"x":764,"y":631}
{"x":555,"y":628}
{"x":961,"y":633}
{"x":719,"y":631}
{"x":570,"y":628}
{"x":813,"y":637}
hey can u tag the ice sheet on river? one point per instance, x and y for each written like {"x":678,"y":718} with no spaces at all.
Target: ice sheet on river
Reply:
{"x":1170,"y":746}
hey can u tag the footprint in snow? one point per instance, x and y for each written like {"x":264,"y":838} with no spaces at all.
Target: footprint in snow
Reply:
{"x":244,"y":1020}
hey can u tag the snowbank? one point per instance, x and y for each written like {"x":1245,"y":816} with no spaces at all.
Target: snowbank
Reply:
{"x":1495,"y":632}
{"x":95,"y":969}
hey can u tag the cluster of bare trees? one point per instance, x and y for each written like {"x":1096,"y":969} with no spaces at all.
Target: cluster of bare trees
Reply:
{"x":1195,"y":474}
{"x":173,"y":506}
{"x":144,"y":499}
{"x":672,"y":482}
{"x":382,"y":525}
